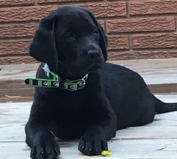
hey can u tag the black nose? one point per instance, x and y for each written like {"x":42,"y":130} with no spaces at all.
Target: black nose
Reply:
{"x":93,"y":54}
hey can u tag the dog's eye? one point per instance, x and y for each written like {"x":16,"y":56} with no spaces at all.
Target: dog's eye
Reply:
{"x":69,"y":36}
{"x":94,"y":32}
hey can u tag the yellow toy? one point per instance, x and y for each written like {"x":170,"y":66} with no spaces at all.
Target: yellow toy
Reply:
{"x":106,"y":153}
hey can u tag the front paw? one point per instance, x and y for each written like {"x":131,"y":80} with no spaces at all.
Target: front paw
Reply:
{"x":45,"y":150}
{"x":92,"y":145}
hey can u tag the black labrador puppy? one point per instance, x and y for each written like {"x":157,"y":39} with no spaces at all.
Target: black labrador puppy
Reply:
{"x":106,"y":97}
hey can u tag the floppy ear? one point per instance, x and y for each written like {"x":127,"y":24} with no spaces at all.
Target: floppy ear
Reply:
{"x":42,"y":47}
{"x":103,"y":38}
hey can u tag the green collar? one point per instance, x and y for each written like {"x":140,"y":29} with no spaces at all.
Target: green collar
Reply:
{"x":55,"y":81}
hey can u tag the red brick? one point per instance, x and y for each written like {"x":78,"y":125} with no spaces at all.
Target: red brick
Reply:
{"x":14,"y":47}
{"x":138,"y":7}
{"x":16,"y":2}
{"x":101,"y":22}
{"x":17,"y":30}
{"x":107,"y":9}
{"x":141,"y":24}
{"x":16,"y":60}
{"x":100,"y":9}
{"x":118,"y":42}
{"x":129,"y":55}
{"x":20,"y":14}
{"x":149,"y":41}
{"x":116,"y":9}
{"x":56,"y":1}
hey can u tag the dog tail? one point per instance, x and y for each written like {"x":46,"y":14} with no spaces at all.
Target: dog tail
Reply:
{"x":162,"y":107}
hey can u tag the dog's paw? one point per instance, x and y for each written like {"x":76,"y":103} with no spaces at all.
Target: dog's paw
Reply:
{"x":92,"y":145}
{"x":48,"y":150}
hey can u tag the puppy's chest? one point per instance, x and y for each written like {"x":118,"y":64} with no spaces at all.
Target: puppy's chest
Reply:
{"x":72,"y":113}
{"x":71,"y":121}
{"x":71,"y":110}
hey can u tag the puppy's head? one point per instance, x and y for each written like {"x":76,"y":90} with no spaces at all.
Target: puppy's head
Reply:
{"x":70,"y":41}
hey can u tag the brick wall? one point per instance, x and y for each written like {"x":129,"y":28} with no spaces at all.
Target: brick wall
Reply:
{"x":135,"y":28}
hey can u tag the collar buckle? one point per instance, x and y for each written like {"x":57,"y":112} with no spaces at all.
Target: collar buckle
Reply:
{"x":82,"y":83}
{"x":56,"y":84}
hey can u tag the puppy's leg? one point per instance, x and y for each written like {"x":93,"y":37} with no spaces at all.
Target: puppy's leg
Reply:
{"x":41,"y":140}
{"x":102,"y":127}
{"x":38,"y":135}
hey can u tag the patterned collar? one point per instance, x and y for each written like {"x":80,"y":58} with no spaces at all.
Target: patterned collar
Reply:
{"x":54,"y":81}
